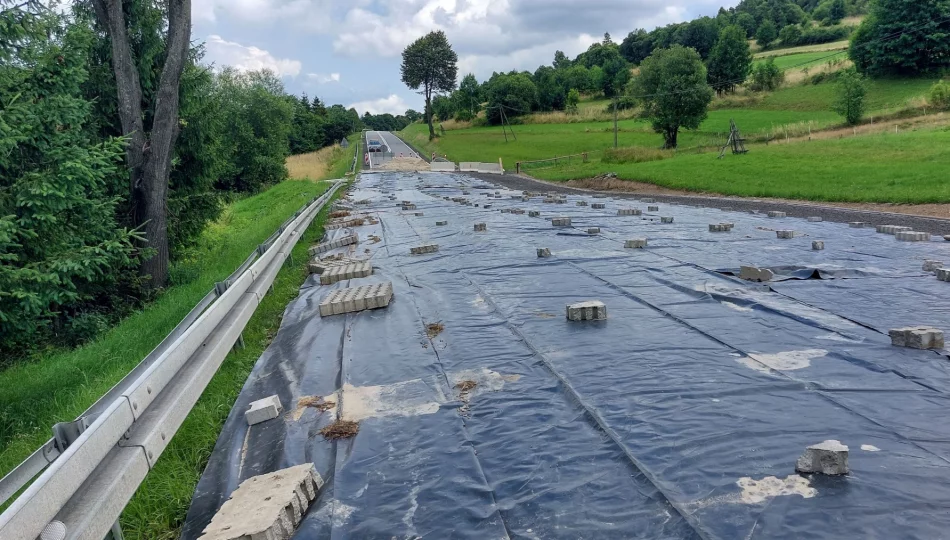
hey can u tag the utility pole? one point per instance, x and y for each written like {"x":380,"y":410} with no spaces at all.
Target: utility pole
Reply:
{"x":615,"y":122}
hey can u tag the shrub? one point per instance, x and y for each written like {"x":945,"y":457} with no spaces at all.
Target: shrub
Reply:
{"x":851,"y":92}
{"x":766,"y":76}
{"x":635,"y":154}
{"x":940,"y":95}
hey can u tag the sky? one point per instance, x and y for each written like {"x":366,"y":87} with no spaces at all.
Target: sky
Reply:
{"x":349,"y":52}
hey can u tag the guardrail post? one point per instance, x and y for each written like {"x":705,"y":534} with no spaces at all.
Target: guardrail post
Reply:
{"x":518,"y":167}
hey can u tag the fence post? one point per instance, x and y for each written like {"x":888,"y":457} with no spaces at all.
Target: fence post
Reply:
{"x":517,"y":167}
{"x":585,"y":157}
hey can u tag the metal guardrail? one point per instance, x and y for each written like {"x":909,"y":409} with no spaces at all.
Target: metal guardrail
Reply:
{"x":94,"y":464}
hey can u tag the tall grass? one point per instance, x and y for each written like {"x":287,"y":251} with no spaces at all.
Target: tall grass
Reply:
{"x":314,"y":165}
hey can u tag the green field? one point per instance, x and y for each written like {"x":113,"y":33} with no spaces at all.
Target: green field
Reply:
{"x":884,"y":95}
{"x":59,"y":386}
{"x":802,"y":60}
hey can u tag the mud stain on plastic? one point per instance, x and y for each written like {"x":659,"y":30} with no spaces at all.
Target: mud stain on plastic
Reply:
{"x":758,"y":491}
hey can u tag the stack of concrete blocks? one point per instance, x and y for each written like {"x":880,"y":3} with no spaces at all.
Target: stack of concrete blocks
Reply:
{"x":653,"y":208}
{"x":857,"y":224}
{"x":441,"y":223}
{"x":629,"y":212}
{"x":912,"y":236}
{"x":419,"y":214}
{"x":600,"y":196}
{"x":720,"y":227}
{"x":518,"y":211}
{"x":506,"y":210}
{"x":587,"y":311}
{"x":409,"y":206}
{"x":785,"y":235}
{"x":817,"y":245}
{"x":262,"y":410}
{"x":338,"y":243}
{"x":266,"y":507}
{"x":776,"y":214}
{"x":598,"y":206}
{"x":754,"y":273}
{"x":466,"y":193}
{"x":593,"y":230}
{"x":917,"y":337}
{"x":422,"y":250}
{"x":561,"y":200}
{"x":349,"y":271}
{"x":828,"y":457}
{"x":581,"y":203}
{"x":892,"y":229}
{"x":544,"y":253}
{"x":931,"y":266}
{"x":635,"y":243}
{"x":666,"y":219}
{"x":357,"y":299}
{"x":943,"y":274}
{"x":534,"y":213}
{"x":320,"y":266}
{"x":561,"y":222}
{"x":649,"y":200}
{"x":549,"y":200}
{"x":480,"y":227}
{"x":343,"y":223}
{"x":814,"y":219}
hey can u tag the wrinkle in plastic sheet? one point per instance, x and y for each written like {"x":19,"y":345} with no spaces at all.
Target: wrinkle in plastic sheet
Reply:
{"x":679,"y":417}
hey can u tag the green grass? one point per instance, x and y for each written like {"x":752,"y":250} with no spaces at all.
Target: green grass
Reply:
{"x":909,"y":167}
{"x":884,"y":95}
{"x":58,"y":387}
{"x":802,"y":60}
{"x":834,"y":46}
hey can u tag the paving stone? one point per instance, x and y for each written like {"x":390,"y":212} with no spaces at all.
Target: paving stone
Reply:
{"x":518,"y":211}
{"x":629,"y":212}
{"x":776,"y":214}
{"x":561,"y":222}
{"x":319,"y":266}
{"x":506,"y":210}
{"x":266,"y":507}
{"x":653,"y":208}
{"x":817,"y":245}
{"x":785,"y":235}
{"x":600,"y":196}
{"x":917,"y":337}
{"x":720,"y":227}
{"x":419,"y":214}
{"x":912,"y":236}
{"x":408,"y":207}
{"x":344,"y":223}
{"x":338,"y":243}
{"x":857,"y":224}
{"x":581,"y":203}
{"x":648,"y":200}
{"x":754,"y":273}
{"x":635,"y":243}
{"x":353,"y":299}
{"x":592,"y":310}
{"x":441,"y":223}
{"x":422,"y":250}
{"x":480,"y":227}
{"x":829,"y":457}
{"x":947,"y":237}
{"x":931,"y":266}
{"x":263,"y":410}
{"x":487,"y":206}
{"x":534,"y":213}
{"x":544,"y":253}
{"x":593,"y":230}
{"x":666,"y":219}
{"x":598,"y":206}
{"x":814,"y":219}
{"x":943,"y":274}
{"x":350,"y":271}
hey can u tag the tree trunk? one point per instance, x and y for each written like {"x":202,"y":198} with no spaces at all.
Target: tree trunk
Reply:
{"x":429,"y":112}
{"x":150,"y":162}
{"x":670,"y":135}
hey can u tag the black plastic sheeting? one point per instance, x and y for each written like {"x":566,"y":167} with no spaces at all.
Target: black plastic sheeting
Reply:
{"x":681,"y":416}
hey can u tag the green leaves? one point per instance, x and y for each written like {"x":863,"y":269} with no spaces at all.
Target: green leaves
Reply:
{"x":851,"y":91}
{"x":903,"y":37}
{"x":730,"y":60}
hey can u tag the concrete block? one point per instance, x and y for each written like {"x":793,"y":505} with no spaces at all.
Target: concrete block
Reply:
{"x":344,"y":223}
{"x":549,"y":200}
{"x":636,"y":243}
{"x":814,"y":219}
{"x":506,"y":210}
{"x":534,"y":213}
{"x":350,"y":271}
{"x":517,"y":211}
{"x":422,"y":250}
{"x":666,"y":219}
{"x":408,"y":206}
{"x":263,"y":410}
{"x":338,"y":243}
{"x":653,"y":208}
{"x":629,"y":212}
{"x":353,"y":299}
{"x":785,"y":235}
{"x":320,"y":266}
{"x":754,"y":273}
{"x":946,"y":237}
{"x":581,"y":203}
{"x":466,"y":193}
{"x":817,"y":245}
{"x":943,"y":274}
{"x":598,"y":206}
{"x":561,"y":222}
{"x":912,"y":236}
{"x":544,"y":253}
{"x":266,"y":507}
{"x":592,"y":310}
{"x":857,"y":224}
{"x":419,"y":214}
{"x":480,"y":227}
{"x":441,"y":223}
{"x":720,"y":227}
{"x":487,"y":206}
{"x":593,"y":230}
{"x":829,"y":457}
{"x":776,"y":214}
{"x":917,"y":337}
{"x":931,"y":266}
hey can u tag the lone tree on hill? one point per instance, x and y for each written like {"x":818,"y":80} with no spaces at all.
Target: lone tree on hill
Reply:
{"x":148,"y":154}
{"x":730,"y":60}
{"x":672,"y":89}
{"x":850,"y":99}
{"x":430,"y":63}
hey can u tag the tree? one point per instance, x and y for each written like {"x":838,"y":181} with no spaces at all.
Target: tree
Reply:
{"x":730,"y":61}
{"x":616,"y":76}
{"x":573,"y":98}
{"x":470,"y":94}
{"x":791,"y":35}
{"x":561,"y":61}
{"x":747,"y":22}
{"x":413,"y":115}
{"x":551,"y":94}
{"x":837,"y":11}
{"x":700,"y":34}
{"x":767,"y":76}
{"x":149,"y":149}
{"x":430,"y":63}
{"x":903,"y":37}
{"x":766,"y":34}
{"x":577,"y":77}
{"x":673,"y":92}
{"x":940,"y":95}
{"x":515,"y":93}
{"x":851,"y":90}
{"x":636,"y":46}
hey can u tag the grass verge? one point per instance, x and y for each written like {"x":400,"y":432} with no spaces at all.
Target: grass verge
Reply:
{"x":58,"y":387}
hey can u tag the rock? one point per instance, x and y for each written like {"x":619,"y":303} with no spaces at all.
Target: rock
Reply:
{"x":829,"y":457}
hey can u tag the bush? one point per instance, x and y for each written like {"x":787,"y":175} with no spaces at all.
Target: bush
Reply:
{"x":766,"y":34}
{"x":766,"y":76}
{"x":573,"y":97}
{"x":791,"y":35}
{"x":940,"y":95}
{"x":851,"y":92}
{"x":635,"y":154}
{"x":819,"y":35}
{"x":464,"y":115}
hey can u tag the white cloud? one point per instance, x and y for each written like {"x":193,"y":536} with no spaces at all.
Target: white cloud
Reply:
{"x":321,"y":78}
{"x":393,"y":105}
{"x":230,"y":53}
